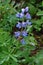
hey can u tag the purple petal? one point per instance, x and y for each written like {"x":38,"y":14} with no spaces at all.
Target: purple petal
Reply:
{"x":28,"y":23}
{"x":26,"y":9}
{"x":23,"y":24}
{"x":17,"y":34}
{"x":24,"y":33}
{"x":23,"y":41}
{"x":18,"y":15}
{"x":23,"y":10}
{"x":18,"y":25}
{"x":28,"y":16}
{"x":21,"y":15}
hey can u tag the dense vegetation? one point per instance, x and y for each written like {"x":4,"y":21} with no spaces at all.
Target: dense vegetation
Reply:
{"x":21,"y":32}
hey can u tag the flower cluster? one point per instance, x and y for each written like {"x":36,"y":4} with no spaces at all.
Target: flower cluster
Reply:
{"x":24,"y":13}
{"x":19,"y":33}
{"x":23,"y":24}
{"x":20,"y":25}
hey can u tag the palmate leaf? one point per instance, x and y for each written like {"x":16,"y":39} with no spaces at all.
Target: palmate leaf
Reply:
{"x":38,"y":23}
{"x":4,"y":37}
{"x":32,"y":9}
{"x":36,"y":59}
{"x":23,"y":55}
{"x":7,"y":17}
{"x":39,"y":13}
{"x":29,"y":28}
{"x":31,"y":40}
{"x":10,"y":62}
{"x":5,"y":50}
{"x":39,"y":58}
{"x":3,"y":58}
{"x":4,"y":41}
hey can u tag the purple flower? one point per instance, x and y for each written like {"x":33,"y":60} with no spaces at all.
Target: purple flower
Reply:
{"x":28,"y":23}
{"x":23,"y":24}
{"x":25,"y":10}
{"x":17,"y":34}
{"x":18,"y":25}
{"x":28,"y":16}
{"x":23,"y":41}
{"x":24,"y":33}
{"x":20,"y":15}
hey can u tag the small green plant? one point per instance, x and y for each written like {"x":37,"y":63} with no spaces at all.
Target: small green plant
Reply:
{"x":18,"y":44}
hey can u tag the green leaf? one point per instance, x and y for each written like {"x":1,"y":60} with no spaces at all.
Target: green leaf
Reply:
{"x":32,"y":1}
{"x":29,"y":28}
{"x":37,"y":23}
{"x":3,"y":58}
{"x":42,"y":3}
{"x":4,"y":38}
{"x":31,"y":40}
{"x":39,"y":58}
{"x":32,"y":9}
{"x":39,"y":13}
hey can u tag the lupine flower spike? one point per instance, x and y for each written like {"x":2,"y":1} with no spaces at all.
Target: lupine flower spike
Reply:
{"x":22,"y":25}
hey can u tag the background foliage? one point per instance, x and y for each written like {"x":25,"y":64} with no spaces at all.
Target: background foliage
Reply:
{"x":12,"y":52}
